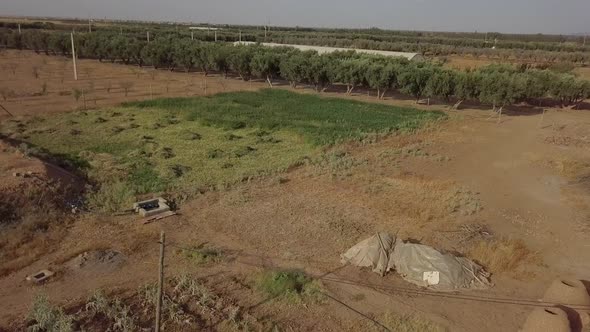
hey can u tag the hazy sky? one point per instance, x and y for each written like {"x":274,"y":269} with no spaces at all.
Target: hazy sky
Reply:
{"x":527,"y":16}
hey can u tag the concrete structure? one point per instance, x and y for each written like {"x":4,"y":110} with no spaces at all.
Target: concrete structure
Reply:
{"x":322,"y":50}
{"x":204,"y":28}
{"x":151,"y":207}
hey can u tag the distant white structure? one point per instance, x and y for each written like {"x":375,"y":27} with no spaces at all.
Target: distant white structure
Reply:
{"x":204,"y":28}
{"x":321,"y":50}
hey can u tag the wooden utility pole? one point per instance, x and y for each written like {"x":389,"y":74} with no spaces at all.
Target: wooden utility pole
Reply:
{"x":215,"y":35}
{"x":18,"y":28}
{"x":240,"y":38}
{"x":192,"y":35}
{"x":74,"y":57}
{"x":89,"y":26}
{"x":160,"y":283}
{"x":148,"y":36}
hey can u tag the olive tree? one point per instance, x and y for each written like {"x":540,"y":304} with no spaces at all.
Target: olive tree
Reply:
{"x":265,"y":64}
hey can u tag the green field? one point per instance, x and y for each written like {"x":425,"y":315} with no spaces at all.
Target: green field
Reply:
{"x":190,"y":144}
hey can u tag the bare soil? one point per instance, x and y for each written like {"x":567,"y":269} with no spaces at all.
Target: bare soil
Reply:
{"x":523,"y":178}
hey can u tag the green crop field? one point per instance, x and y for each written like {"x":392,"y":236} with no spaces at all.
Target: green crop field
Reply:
{"x":197,"y":143}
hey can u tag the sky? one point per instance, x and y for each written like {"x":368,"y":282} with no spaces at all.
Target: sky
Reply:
{"x":507,"y":16}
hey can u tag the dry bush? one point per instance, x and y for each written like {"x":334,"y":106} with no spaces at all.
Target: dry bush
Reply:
{"x":126,"y":86}
{"x":46,"y":317}
{"x":503,"y":255}
{"x":31,"y":219}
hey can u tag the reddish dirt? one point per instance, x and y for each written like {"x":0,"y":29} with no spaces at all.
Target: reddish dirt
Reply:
{"x":524,"y":178}
{"x":102,"y":83}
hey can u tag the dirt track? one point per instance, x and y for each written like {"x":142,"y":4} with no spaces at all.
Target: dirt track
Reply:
{"x":527,"y":175}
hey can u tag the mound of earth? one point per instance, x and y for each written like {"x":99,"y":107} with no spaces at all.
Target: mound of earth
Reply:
{"x":96,"y":261}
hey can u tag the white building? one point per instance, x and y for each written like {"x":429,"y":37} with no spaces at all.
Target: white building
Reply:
{"x":321,"y":50}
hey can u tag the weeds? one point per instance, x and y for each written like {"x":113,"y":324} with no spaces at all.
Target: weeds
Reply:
{"x":111,"y":197}
{"x":338,"y":163}
{"x":77,"y":93}
{"x":503,"y":255}
{"x":118,"y":313}
{"x":409,"y":323}
{"x":47,"y":317}
{"x":126,"y":86}
{"x":44,"y":89}
{"x":294,"y":286}
{"x":200,"y":255}
{"x":35,"y":71}
{"x":31,"y":217}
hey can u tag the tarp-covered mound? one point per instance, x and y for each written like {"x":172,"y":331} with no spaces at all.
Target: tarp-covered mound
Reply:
{"x":425,"y":266}
{"x":373,"y":252}
{"x":416,"y":263}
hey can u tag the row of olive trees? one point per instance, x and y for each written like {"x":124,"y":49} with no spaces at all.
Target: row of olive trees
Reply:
{"x":494,"y":85}
{"x":435,"y":46}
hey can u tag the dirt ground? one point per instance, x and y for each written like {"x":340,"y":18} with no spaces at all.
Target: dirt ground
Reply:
{"x":522,"y":178}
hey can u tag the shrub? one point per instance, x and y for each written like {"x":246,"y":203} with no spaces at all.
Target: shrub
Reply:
{"x":48,"y":318}
{"x":200,"y":255}
{"x":111,"y":197}
{"x":118,"y":313}
{"x":291,"y":285}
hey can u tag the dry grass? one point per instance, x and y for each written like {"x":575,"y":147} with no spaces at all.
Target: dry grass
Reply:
{"x":502,"y":256}
{"x":32,"y":217}
{"x":409,"y":323}
{"x":427,"y":200}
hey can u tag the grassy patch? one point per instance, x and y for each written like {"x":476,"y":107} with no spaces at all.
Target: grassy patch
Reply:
{"x":200,"y":255}
{"x":294,"y":286}
{"x":206,"y":142}
{"x":320,"y":120}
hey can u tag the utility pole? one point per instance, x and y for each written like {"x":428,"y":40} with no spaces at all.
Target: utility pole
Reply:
{"x":215,"y":35}
{"x":160,"y":283}
{"x":18,"y":28}
{"x":148,"y":36}
{"x":192,"y":35}
{"x":240,"y":36}
{"x":74,"y":56}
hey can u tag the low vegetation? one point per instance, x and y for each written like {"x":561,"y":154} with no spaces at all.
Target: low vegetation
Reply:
{"x":44,"y":316}
{"x":408,"y":323}
{"x":193,"y":144}
{"x":32,"y":216}
{"x":503,"y":256}
{"x":293,"y":286}
{"x":202,"y":255}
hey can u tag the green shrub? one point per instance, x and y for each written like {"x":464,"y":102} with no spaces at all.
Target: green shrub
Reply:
{"x":294,"y":286}
{"x":203,"y":255}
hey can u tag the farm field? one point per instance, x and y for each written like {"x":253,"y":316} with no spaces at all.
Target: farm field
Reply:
{"x":271,"y":181}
